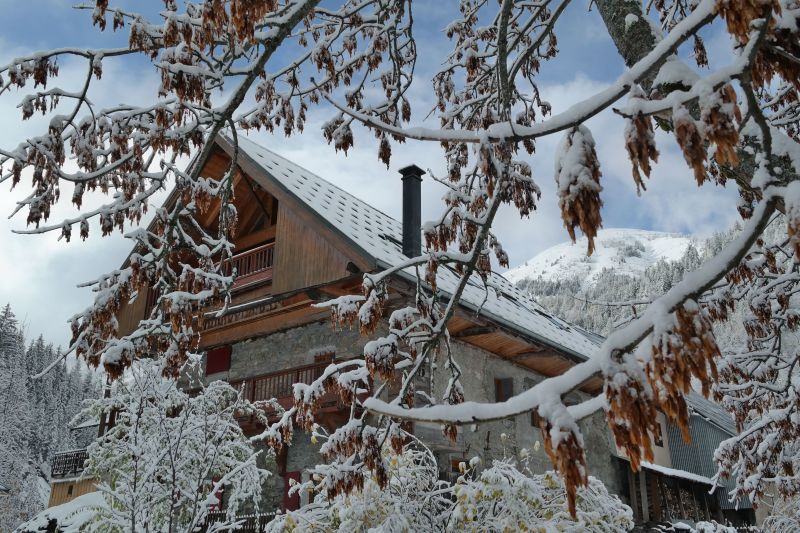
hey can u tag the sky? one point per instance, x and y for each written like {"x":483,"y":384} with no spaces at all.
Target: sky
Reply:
{"x":39,"y":275}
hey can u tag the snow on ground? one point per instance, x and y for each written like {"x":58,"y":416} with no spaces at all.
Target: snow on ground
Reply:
{"x":628,"y":251}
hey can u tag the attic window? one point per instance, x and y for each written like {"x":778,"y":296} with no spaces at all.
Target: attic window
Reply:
{"x":260,"y":222}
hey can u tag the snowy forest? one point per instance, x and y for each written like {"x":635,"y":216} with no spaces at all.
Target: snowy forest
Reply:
{"x":36,"y":417}
{"x":608,"y":299}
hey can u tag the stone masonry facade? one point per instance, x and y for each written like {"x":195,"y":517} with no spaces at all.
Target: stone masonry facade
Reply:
{"x":298,"y":346}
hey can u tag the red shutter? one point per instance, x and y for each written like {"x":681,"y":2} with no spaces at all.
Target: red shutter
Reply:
{"x":290,"y":502}
{"x":218,"y":360}
{"x":218,"y":494}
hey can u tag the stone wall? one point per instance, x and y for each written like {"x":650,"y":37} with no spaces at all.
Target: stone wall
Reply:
{"x":493,"y":440}
{"x":298,"y":346}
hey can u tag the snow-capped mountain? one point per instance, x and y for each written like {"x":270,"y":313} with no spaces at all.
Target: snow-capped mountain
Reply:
{"x":626,"y":251}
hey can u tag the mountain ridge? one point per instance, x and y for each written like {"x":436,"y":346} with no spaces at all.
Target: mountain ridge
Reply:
{"x":627,"y":251}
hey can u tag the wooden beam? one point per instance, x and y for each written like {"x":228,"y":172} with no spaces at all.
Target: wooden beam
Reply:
{"x":529,"y":353}
{"x":254,"y":239}
{"x":475,"y":331}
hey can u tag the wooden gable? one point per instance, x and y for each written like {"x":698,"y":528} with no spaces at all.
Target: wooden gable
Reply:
{"x":309,"y":251}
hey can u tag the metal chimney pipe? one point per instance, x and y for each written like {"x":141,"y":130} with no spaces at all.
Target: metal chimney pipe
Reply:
{"x":412,"y":210}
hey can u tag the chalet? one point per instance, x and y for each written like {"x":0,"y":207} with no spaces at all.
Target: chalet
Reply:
{"x":301,"y":241}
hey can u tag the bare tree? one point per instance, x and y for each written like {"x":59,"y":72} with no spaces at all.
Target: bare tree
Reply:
{"x":490,"y":112}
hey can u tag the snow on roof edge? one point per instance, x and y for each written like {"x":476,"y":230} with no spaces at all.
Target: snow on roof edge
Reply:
{"x":674,"y":472}
{"x":511,"y":325}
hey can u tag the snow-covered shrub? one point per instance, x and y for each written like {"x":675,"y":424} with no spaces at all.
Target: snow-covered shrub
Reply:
{"x":413,"y":500}
{"x":508,"y":497}
{"x":169,"y":455}
{"x":785,"y":516}
{"x":500,"y":498}
{"x":69,"y":517}
{"x":713,"y":527}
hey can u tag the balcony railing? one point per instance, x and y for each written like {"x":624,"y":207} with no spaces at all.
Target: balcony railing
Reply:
{"x":249,"y":523}
{"x":69,"y":463}
{"x":279,"y":385}
{"x":252,"y":265}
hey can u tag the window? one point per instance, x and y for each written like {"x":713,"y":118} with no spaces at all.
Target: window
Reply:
{"x":218,"y":359}
{"x":69,"y":490}
{"x":503,"y":389}
{"x":535,"y":418}
{"x":324,"y":357}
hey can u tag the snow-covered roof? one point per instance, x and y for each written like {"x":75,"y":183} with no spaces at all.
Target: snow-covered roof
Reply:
{"x":88,"y":423}
{"x":380,"y":236}
{"x":674,"y":472}
{"x":70,"y":517}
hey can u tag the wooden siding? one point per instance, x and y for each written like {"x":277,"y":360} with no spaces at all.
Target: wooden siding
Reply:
{"x":303,"y":257}
{"x":507,"y":345}
{"x":59,"y":492}
{"x":130,"y":314}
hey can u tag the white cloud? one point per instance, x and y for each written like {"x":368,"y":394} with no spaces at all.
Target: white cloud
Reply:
{"x":39,"y":273}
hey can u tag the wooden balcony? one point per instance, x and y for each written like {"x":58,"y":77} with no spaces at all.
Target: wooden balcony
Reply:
{"x":251,"y":266}
{"x":68,"y":464}
{"x":280,"y":385}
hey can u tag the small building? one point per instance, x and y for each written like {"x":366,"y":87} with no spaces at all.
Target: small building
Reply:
{"x":67,"y":481}
{"x":678,"y":485}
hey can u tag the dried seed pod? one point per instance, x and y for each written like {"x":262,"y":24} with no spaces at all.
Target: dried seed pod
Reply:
{"x":691,"y":142}
{"x":641,"y":145}
{"x":564,"y":447}
{"x":719,"y":114}
{"x":683,"y":350}
{"x":632,"y":413}
{"x":578,"y":180}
